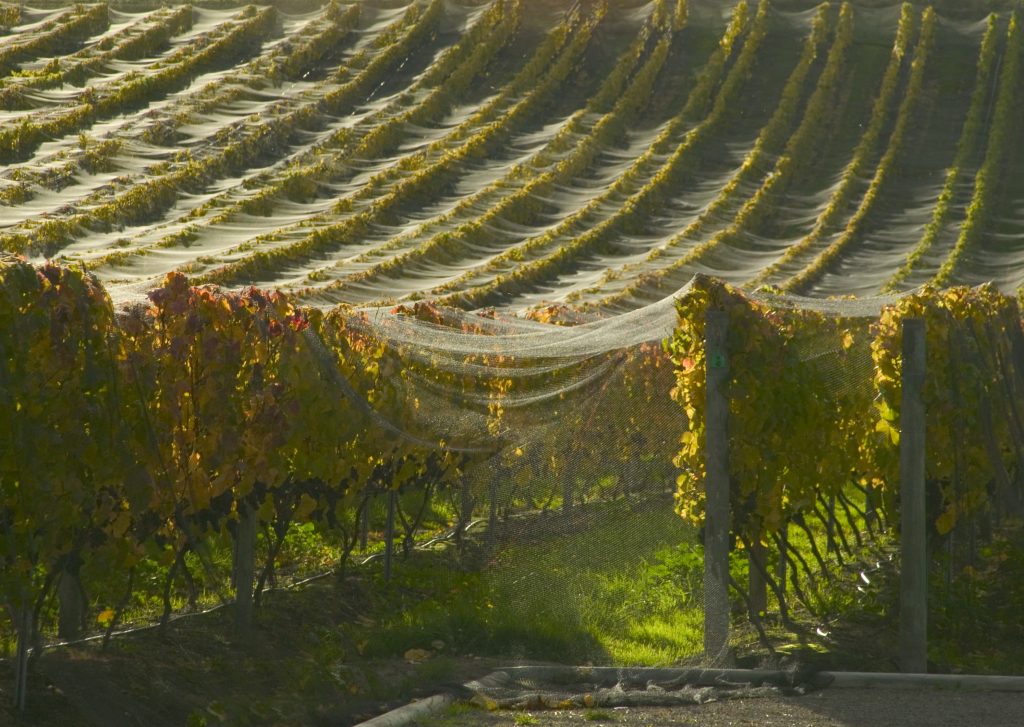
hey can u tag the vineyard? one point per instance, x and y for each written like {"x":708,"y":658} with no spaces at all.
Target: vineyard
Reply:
{"x":511,"y":155}
{"x":436,"y":297}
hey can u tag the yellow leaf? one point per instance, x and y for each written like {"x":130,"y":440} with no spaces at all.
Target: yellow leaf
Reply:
{"x":886,"y":428}
{"x":105,"y":617}
{"x":885,"y":411}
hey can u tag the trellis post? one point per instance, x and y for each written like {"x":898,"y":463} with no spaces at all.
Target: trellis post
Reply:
{"x":913,"y":526}
{"x":716,"y":483}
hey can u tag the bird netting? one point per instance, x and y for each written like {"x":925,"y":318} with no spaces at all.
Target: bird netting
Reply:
{"x":567,"y":429}
{"x":541,"y":480}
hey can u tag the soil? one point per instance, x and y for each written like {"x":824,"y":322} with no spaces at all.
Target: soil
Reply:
{"x":295,"y":667}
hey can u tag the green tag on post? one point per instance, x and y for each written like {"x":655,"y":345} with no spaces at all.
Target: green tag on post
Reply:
{"x":717,"y":360}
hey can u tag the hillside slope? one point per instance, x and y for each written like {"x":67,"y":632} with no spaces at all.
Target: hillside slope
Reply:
{"x":516,"y":152}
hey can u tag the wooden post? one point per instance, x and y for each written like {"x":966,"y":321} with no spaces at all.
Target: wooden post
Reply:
{"x":913,"y":527}
{"x":245,"y":566}
{"x":389,"y":536}
{"x":716,"y":484}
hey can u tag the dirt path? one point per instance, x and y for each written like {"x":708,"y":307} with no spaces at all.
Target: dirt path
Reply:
{"x":828,"y":708}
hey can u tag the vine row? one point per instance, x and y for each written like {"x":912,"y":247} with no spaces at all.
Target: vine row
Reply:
{"x":886,"y":166}
{"x":137,"y":87}
{"x":424,"y":177}
{"x":646,"y":198}
{"x":854,"y":170}
{"x":988,"y":179}
{"x":521,"y":205}
{"x":760,"y":205}
{"x":274,"y":132}
{"x":965,"y":149}
{"x":158,"y":190}
{"x":55,"y":36}
{"x":137,"y":41}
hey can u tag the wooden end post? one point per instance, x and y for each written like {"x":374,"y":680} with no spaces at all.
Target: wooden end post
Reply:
{"x":913,"y":526}
{"x":716,"y":529}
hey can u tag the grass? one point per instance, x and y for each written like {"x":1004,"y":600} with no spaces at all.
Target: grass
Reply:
{"x":616,"y":583}
{"x":606,"y":595}
{"x":840,"y":588}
